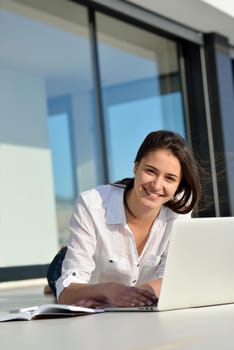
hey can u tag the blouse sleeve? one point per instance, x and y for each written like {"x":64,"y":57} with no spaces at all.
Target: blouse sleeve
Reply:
{"x":78,"y":263}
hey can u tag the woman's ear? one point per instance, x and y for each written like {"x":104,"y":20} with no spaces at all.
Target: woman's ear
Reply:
{"x":135,"y":168}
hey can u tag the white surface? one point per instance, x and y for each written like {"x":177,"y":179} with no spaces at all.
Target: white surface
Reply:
{"x":199,"y":264}
{"x":205,"y":328}
{"x":226,"y":6}
{"x":190,"y":329}
{"x":29,"y":283}
{"x":25,"y":295}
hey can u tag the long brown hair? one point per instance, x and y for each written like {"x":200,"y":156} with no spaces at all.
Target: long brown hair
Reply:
{"x":189,"y":190}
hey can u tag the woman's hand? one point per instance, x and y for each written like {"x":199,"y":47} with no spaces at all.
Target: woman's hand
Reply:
{"x":92,"y":303}
{"x":121,"y":295}
{"x":103,"y":294}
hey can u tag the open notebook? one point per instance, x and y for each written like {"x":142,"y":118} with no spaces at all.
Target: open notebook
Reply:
{"x":199,"y":269}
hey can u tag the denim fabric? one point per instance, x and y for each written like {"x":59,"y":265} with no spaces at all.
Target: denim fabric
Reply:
{"x":55,"y":268}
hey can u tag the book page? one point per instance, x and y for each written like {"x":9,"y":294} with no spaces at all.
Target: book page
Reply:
{"x":48,"y":311}
{"x":19,"y":316}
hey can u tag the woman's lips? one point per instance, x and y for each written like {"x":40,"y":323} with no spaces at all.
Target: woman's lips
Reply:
{"x":153,"y":194}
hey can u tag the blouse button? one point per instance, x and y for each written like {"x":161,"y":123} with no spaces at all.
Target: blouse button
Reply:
{"x":73,"y":274}
{"x":134,"y":281}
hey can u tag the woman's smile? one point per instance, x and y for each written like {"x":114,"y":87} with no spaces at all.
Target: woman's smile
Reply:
{"x":151,"y":193}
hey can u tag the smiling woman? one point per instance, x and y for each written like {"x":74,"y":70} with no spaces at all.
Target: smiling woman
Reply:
{"x":119,"y":233}
{"x":157,"y":177}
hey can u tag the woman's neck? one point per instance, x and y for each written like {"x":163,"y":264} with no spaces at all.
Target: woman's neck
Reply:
{"x":135,"y":210}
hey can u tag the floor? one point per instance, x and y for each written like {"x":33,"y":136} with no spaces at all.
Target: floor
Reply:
{"x":23,"y":295}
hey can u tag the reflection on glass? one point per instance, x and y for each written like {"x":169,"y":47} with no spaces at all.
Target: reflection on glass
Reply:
{"x":126,"y":129}
{"x":226,"y":105}
{"x":140,"y":87}
{"x":44,"y":57}
{"x":59,"y":136}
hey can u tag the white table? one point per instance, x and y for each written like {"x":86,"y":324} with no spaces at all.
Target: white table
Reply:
{"x":191,"y":329}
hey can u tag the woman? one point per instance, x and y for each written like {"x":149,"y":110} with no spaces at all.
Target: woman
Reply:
{"x":119,"y":233}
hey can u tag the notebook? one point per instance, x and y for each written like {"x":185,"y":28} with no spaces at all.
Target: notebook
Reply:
{"x":199,"y":269}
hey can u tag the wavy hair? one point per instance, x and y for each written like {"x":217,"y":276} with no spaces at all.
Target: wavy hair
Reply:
{"x":189,"y":190}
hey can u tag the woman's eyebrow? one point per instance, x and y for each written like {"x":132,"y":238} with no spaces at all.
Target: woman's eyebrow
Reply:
{"x":151,"y":167}
{"x":156,"y":169}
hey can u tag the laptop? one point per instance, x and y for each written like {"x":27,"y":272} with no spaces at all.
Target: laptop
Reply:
{"x":199,"y":268}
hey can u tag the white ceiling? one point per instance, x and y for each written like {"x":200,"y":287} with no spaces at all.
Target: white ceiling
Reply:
{"x":226,"y":6}
{"x":196,"y":14}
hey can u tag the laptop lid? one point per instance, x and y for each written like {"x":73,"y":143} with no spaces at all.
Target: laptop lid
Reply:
{"x":199,"y":269}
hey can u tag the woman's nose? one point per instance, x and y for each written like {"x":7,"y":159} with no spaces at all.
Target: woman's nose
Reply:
{"x":157,"y":183}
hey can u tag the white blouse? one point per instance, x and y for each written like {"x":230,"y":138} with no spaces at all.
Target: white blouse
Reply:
{"x":102,"y":248}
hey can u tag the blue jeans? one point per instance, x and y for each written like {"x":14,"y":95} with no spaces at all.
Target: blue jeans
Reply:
{"x":55,"y":268}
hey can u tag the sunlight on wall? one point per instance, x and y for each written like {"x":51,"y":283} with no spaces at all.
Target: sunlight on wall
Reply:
{"x":226,"y":6}
{"x":27,"y":213}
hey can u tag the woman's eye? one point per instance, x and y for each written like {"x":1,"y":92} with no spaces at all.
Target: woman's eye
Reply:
{"x":170,"y":179}
{"x":151,"y":171}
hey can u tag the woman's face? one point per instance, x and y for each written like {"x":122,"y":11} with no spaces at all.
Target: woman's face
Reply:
{"x":157,"y":177}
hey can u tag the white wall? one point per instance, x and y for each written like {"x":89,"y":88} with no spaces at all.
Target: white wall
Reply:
{"x":27,"y":211}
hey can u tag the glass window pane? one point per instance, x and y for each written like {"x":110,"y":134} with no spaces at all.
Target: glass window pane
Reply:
{"x":141,"y":89}
{"x":226,"y":106}
{"x":59,"y":135}
{"x":44,"y":60}
{"x":61,"y":149}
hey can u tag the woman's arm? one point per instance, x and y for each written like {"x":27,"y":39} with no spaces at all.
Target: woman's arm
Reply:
{"x":102,"y":294}
{"x":153,"y":286}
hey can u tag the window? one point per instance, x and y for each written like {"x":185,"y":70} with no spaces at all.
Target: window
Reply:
{"x":141,"y":89}
{"x":50,"y":136}
{"x":46,"y":82}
